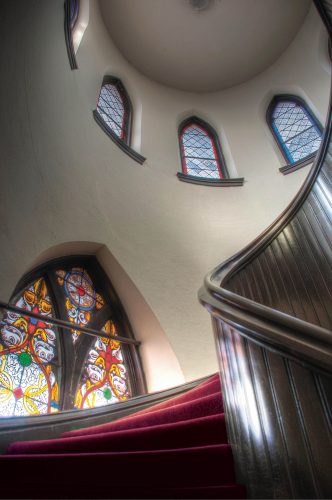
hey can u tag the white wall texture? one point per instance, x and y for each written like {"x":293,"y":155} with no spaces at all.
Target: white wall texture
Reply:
{"x":63,"y":180}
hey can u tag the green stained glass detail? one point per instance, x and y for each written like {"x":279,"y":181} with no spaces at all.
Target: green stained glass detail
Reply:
{"x":107,"y":393}
{"x":25,"y":359}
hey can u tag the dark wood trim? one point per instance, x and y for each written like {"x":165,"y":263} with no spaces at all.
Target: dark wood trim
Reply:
{"x":215,"y":140}
{"x":203,"y":181}
{"x":269,"y":111}
{"x":288,"y":169}
{"x":68,"y":36}
{"x":122,"y":145}
{"x":277,"y":332}
{"x":214,"y":294}
{"x":66,"y":324}
{"x":324,"y":10}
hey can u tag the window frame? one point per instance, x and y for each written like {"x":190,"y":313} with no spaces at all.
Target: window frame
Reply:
{"x":221,"y":163}
{"x":226,"y":180}
{"x":69,"y":26}
{"x":291,"y":167}
{"x":73,"y":356}
{"x":124,"y":143}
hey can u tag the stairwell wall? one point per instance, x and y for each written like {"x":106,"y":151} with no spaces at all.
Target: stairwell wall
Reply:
{"x":63,"y":180}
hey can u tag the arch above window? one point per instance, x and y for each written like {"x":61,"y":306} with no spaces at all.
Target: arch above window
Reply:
{"x":201,"y":155}
{"x":295,"y":129}
{"x":46,"y":368}
{"x":114,"y":114}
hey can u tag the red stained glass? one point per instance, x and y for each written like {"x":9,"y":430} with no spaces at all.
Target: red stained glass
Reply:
{"x":104,"y":380}
{"x":28,"y":351}
{"x":81,"y":299}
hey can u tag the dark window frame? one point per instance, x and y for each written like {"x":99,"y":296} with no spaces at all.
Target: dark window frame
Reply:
{"x":291,"y":167}
{"x":69,"y":24}
{"x":225,"y":180}
{"x":124,"y":143}
{"x":73,"y":356}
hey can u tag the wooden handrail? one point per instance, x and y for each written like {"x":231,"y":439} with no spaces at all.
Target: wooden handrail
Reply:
{"x":66,"y":325}
{"x":272,"y":328}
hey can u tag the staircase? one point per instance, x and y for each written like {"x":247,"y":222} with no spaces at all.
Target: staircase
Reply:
{"x":175,"y":449}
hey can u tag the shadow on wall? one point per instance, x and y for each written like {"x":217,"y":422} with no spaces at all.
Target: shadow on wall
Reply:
{"x":160,"y":364}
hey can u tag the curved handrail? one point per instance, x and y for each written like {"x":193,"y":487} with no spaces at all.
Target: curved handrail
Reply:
{"x":66,"y":325}
{"x":275,"y":330}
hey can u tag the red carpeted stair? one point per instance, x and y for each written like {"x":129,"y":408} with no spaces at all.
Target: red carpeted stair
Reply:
{"x":176,"y":449}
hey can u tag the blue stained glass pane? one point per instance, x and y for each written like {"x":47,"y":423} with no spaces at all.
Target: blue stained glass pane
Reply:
{"x":296,"y":130}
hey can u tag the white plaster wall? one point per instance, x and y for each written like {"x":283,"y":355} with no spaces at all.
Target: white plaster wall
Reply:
{"x":63,"y":180}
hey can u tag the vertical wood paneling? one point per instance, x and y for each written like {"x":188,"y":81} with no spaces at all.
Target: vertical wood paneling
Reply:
{"x":298,"y":262}
{"x":278,"y":419}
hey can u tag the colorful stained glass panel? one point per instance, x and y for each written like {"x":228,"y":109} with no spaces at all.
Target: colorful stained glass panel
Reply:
{"x":28,"y":357}
{"x":81,"y":298}
{"x":104,"y":380}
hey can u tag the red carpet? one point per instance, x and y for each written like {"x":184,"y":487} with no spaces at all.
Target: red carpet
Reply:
{"x":176,"y":449}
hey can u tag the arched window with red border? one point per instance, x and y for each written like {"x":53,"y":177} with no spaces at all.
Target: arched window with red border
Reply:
{"x":200,"y":150}
{"x":114,"y":108}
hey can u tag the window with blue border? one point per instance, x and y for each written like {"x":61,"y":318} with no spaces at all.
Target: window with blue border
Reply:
{"x":295,"y":129}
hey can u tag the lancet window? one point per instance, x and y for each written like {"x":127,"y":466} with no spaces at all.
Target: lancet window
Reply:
{"x":45,"y":368}
{"x":295,"y":128}
{"x":200,"y":150}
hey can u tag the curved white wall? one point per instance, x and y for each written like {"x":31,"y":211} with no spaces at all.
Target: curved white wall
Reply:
{"x":64,"y":180}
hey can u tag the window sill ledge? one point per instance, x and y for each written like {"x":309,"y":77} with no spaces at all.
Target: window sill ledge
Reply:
{"x":288,"y":169}
{"x":122,"y":145}
{"x":204,"y":181}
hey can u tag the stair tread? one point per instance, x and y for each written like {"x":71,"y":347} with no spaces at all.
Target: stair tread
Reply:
{"x":208,"y":405}
{"x":203,"y":430}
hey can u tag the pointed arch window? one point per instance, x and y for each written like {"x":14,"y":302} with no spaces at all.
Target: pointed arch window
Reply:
{"x":114,"y":108}
{"x":201,"y":155}
{"x":114,"y":115}
{"x":45,"y":369}
{"x":295,"y":129}
{"x":200,"y":150}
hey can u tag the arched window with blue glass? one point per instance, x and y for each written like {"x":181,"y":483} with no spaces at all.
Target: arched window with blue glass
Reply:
{"x":296,"y":130}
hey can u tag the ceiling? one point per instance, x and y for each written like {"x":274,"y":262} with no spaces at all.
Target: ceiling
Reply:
{"x":223,"y":45}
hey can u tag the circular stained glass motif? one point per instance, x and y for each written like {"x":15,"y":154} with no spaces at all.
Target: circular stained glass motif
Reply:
{"x":80,"y":290}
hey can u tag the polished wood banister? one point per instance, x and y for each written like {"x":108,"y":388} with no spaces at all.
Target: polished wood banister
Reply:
{"x":271,"y":309}
{"x":66,"y":325}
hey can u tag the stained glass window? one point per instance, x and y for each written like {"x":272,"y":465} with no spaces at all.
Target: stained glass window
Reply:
{"x":104,"y":380}
{"x":81,"y":299}
{"x":28,"y":357}
{"x":114,"y":108}
{"x":295,"y":128}
{"x":200,"y":150}
{"x":45,"y":369}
